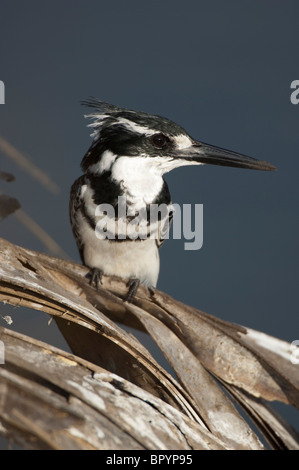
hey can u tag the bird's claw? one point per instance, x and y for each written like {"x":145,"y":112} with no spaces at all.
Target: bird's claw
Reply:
{"x":133,"y":286}
{"x":95,"y":277}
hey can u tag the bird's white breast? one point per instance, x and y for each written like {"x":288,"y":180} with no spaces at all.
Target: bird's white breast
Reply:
{"x":126,"y":259}
{"x":140,"y":179}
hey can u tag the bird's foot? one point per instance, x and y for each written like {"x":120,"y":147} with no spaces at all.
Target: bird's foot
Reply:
{"x":95,"y":277}
{"x":133,"y":286}
{"x":151,"y":291}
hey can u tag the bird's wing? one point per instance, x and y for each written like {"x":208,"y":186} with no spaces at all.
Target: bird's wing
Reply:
{"x":163,"y":228}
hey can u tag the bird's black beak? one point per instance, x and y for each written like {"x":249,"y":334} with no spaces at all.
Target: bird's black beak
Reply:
{"x":205,"y":153}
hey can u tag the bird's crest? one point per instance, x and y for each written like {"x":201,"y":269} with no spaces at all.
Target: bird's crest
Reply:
{"x":106,"y":114}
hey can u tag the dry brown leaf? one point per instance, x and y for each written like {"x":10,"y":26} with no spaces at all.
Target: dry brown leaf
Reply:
{"x":252,"y":366}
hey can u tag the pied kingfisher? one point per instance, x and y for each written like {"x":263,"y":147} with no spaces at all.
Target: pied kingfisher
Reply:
{"x":124,"y":166}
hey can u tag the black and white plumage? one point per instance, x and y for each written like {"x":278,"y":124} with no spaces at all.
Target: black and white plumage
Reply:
{"x":130,"y":153}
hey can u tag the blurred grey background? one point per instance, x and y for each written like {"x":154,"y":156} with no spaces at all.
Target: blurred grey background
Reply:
{"x":220,"y":69}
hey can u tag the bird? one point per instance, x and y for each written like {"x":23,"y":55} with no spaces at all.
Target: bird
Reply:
{"x":122,"y":178}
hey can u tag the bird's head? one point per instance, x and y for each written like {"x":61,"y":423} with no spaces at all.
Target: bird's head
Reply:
{"x":120,"y":132}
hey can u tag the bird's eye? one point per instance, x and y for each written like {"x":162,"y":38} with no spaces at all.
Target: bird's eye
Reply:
{"x":160,"y":140}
